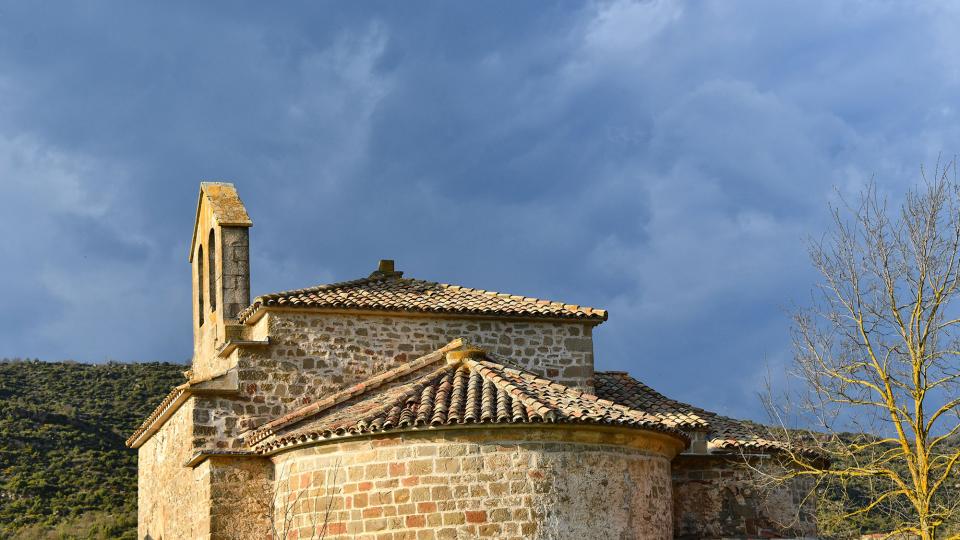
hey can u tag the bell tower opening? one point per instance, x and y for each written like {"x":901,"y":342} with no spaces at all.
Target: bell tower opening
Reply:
{"x":200,"y":309}
{"x":212,"y":269}
{"x":220,"y":258}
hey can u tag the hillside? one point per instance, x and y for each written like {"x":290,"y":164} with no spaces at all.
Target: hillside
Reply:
{"x":63,"y":464}
{"x":64,"y":470}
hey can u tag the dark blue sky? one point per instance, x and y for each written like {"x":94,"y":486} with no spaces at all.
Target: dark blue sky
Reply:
{"x":662,"y":160}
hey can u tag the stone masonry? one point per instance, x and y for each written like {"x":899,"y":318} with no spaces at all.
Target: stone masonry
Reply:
{"x":311,"y":354}
{"x":163,"y":483}
{"x":501,"y":483}
{"x":716,"y":497}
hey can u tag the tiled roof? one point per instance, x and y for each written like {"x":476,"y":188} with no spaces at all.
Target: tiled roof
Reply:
{"x":723,"y":434}
{"x":466,"y":390}
{"x":390,"y":291}
{"x":732,"y":435}
{"x":619,"y":387}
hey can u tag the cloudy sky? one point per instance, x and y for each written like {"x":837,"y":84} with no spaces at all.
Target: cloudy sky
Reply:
{"x":662,"y":160}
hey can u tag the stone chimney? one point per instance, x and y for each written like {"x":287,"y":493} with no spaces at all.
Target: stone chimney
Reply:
{"x":220,"y":259}
{"x":385,"y":270}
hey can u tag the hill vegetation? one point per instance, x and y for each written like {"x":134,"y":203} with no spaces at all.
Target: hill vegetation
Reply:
{"x":64,"y":470}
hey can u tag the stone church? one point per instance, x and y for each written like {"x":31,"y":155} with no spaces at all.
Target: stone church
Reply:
{"x":390,"y":407}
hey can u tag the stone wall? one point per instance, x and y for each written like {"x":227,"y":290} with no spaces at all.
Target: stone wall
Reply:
{"x":356,"y":345}
{"x":222,"y":498}
{"x":313,"y":354}
{"x":719,"y":497}
{"x":172,"y":500}
{"x":560,"y":482}
{"x":241,"y":497}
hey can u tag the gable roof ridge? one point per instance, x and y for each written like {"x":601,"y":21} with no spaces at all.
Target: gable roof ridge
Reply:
{"x":533,"y":404}
{"x":357,"y":389}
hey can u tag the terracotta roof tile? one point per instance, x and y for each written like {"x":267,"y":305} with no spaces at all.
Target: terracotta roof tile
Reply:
{"x":619,"y":387}
{"x":730,"y":434}
{"x":390,"y":291}
{"x":724,"y":434}
{"x":458,"y":392}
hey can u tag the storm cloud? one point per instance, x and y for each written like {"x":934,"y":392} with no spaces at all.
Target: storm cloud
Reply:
{"x":663,"y":160}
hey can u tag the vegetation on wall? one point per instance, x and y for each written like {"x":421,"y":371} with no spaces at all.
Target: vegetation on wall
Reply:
{"x":64,"y":470}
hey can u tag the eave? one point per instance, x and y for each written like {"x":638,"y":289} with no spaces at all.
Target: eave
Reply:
{"x":222,"y":384}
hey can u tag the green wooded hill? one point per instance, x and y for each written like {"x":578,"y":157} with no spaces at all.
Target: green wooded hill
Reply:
{"x":64,"y":470}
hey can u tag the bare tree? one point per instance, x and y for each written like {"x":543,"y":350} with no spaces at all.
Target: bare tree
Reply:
{"x":879,"y":355}
{"x":284,"y":507}
{"x":268,"y":507}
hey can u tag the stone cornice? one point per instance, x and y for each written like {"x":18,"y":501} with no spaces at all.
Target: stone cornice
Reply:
{"x":658,"y":442}
{"x":260,"y":311}
{"x":234,"y":344}
{"x":203,"y":455}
